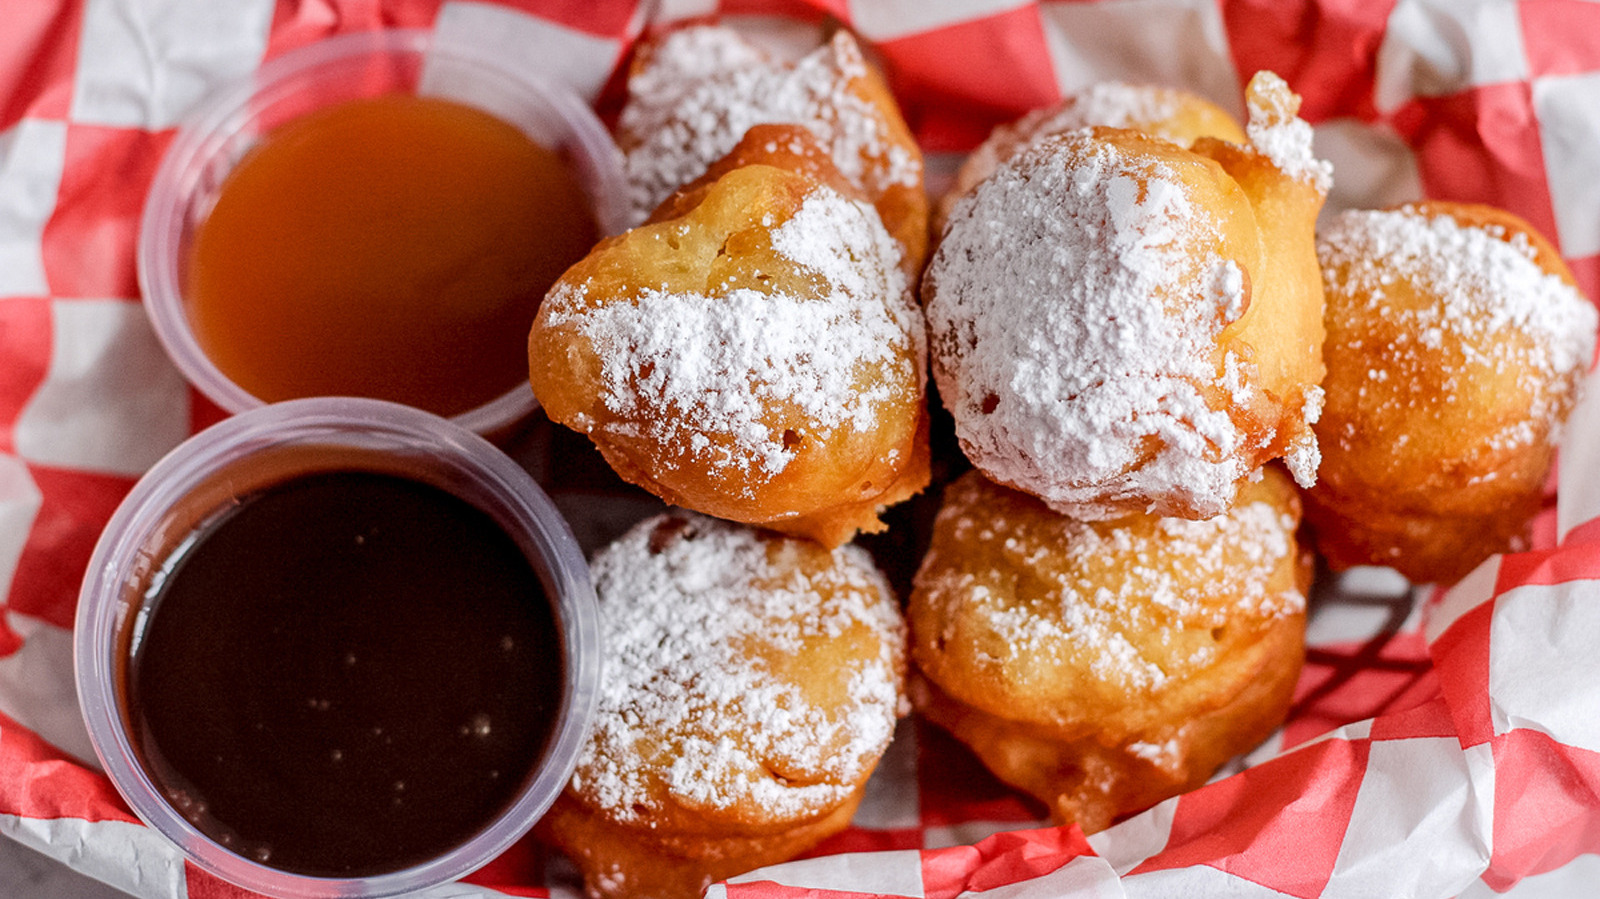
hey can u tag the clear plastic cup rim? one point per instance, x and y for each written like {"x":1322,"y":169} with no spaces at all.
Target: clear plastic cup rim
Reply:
{"x":208,"y":129}
{"x":121,"y":559}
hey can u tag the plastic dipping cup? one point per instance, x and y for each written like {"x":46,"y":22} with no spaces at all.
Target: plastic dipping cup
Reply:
{"x":277,"y":444}
{"x":218,"y":133}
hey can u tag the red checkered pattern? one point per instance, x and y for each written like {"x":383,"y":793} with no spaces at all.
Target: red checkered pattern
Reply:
{"x":1440,"y":744}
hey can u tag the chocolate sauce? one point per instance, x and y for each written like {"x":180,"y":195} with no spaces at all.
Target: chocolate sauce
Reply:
{"x":348,"y":673}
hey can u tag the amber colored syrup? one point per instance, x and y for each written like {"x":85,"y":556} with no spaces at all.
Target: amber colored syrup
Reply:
{"x":394,"y":247}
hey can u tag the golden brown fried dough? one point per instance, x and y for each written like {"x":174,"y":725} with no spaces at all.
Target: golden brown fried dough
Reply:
{"x":694,"y":92}
{"x":1118,"y":324}
{"x":792,"y":148}
{"x":757,"y":358}
{"x":1456,"y":342}
{"x":1170,"y":113}
{"x":1103,"y":667}
{"x":752,"y":682}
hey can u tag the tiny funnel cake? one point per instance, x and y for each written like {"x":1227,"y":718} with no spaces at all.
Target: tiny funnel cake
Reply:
{"x":752,"y":683}
{"x":755,"y":354}
{"x":1119,"y":324}
{"x":1170,"y":113}
{"x":694,"y":92}
{"x":1457,"y":341}
{"x":1105,"y":666}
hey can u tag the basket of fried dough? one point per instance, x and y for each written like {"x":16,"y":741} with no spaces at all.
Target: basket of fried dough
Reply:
{"x":1150,"y":397}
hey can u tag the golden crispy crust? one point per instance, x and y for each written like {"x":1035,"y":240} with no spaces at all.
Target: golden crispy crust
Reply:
{"x":795,"y":148}
{"x":755,"y":356}
{"x":792,"y":148}
{"x":1093,"y":781}
{"x":1456,"y":342}
{"x":694,"y":92}
{"x":642,"y":862}
{"x":1104,"y":666}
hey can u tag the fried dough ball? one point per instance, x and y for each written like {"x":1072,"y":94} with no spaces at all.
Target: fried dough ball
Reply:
{"x":1103,"y":667}
{"x":752,"y":683}
{"x":1457,"y":340}
{"x":695,"y":91}
{"x":792,"y":148}
{"x":1171,"y":113}
{"x":1118,"y":324}
{"x":757,"y":357}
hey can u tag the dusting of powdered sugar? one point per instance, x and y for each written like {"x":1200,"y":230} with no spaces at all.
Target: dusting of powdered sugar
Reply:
{"x":690,"y":711}
{"x":703,"y":87}
{"x":1167,"y":755}
{"x":1276,"y":131}
{"x":1073,"y":319}
{"x":708,"y":371}
{"x":1303,"y":456}
{"x":1075,"y":607}
{"x":1112,"y":104}
{"x":1119,"y":105}
{"x":1484,"y":284}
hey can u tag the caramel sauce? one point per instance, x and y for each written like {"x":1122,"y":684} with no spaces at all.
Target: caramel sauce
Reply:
{"x":394,"y":247}
{"x":345,"y":674}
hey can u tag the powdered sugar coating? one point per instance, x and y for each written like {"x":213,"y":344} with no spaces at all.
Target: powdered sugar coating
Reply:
{"x":1277,"y":132}
{"x":1112,"y":104}
{"x":1074,"y":612}
{"x":1116,"y":105}
{"x":1303,"y":456}
{"x":708,"y":370}
{"x":704,"y":86}
{"x":1074,"y":326}
{"x":1482,"y":284}
{"x":691,"y":712}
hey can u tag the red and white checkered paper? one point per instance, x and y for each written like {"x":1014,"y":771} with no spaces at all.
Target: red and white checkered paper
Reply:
{"x":1443,"y":743}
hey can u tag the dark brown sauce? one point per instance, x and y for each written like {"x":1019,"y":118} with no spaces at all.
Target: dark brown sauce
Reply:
{"x":349,"y":673}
